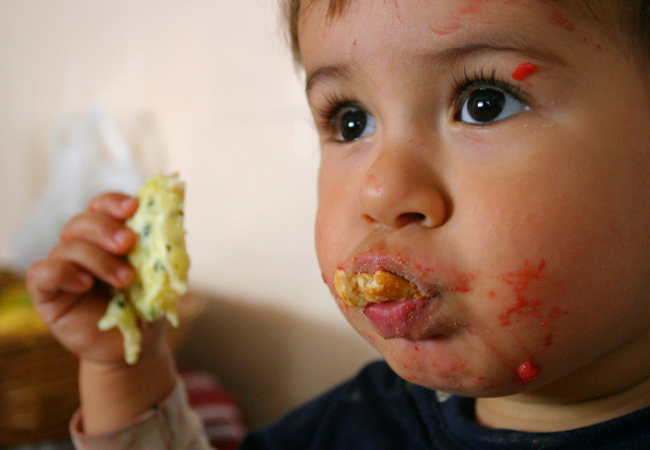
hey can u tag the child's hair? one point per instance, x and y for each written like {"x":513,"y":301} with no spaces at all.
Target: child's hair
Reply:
{"x":632,"y":16}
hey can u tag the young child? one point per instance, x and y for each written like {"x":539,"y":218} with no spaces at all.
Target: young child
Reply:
{"x":496,"y":154}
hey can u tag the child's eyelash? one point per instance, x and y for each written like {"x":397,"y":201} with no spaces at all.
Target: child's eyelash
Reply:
{"x":333,"y":104}
{"x":464,"y":85}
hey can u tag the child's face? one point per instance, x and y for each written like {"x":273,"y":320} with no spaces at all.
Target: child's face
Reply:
{"x":497,"y":154}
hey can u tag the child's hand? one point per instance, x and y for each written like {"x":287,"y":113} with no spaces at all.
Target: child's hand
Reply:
{"x":71,"y":288}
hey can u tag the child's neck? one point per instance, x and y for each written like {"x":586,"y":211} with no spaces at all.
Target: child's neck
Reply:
{"x":613,"y":386}
{"x":515,"y":413}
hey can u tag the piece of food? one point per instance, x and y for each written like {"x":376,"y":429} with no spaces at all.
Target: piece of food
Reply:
{"x":361,"y":289}
{"x":160,"y":261}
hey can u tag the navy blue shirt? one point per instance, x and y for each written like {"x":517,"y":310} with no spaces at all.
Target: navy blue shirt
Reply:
{"x":377,"y":410}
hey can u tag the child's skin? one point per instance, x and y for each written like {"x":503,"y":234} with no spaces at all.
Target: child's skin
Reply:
{"x":528,"y":235}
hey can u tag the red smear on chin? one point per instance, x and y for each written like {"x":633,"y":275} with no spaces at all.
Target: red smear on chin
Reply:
{"x":523,"y":71}
{"x":528,"y":371}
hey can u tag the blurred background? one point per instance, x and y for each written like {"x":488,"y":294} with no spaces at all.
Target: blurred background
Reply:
{"x":205,"y":88}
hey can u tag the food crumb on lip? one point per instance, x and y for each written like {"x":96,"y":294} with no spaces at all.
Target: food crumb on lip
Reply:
{"x":361,"y":289}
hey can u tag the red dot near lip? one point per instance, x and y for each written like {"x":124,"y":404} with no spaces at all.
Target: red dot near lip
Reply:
{"x":528,"y":371}
{"x":523,"y":71}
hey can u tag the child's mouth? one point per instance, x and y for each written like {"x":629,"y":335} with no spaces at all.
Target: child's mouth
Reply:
{"x":362,"y":289}
{"x":393,"y":305}
{"x":411,"y":318}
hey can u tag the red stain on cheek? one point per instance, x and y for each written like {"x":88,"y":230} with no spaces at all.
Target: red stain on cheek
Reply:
{"x":523,"y":71}
{"x":548,"y":340}
{"x":457,"y":367}
{"x":463,"y":287}
{"x":459,"y":282}
{"x":528,"y":371}
{"x":519,"y":281}
{"x":555,"y":313}
{"x":562,"y":21}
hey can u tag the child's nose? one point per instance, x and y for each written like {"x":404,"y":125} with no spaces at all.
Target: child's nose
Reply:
{"x":399,"y":189}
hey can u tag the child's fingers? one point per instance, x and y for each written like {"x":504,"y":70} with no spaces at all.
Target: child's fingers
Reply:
{"x":120,"y":206}
{"x":53,"y":276}
{"x":102,"y":230}
{"x":109,"y":268}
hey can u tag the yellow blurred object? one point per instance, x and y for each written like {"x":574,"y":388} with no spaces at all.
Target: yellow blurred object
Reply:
{"x":17,"y":314}
{"x":38,"y":377}
{"x":38,"y":380}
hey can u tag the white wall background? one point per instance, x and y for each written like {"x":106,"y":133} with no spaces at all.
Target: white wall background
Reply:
{"x":209,"y":85}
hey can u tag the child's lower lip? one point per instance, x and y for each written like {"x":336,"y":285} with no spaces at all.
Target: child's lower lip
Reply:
{"x":410,"y":318}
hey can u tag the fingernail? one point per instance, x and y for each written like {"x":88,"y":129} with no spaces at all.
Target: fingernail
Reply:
{"x":121,"y":237}
{"x":84,"y":279}
{"x":124,"y":274}
{"x":126,"y":203}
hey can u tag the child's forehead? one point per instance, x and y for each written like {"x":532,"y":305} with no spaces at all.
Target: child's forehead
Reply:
{"x":552,"y":21}
{"x":593,"y":9}
{"x":561,"y":33}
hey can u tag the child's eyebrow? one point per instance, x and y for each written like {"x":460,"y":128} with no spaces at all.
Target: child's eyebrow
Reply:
{"x":338,"y":71}
{"x":450,"y":57}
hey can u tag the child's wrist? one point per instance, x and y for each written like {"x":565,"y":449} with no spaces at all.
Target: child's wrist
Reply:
{"x":114,"y":395}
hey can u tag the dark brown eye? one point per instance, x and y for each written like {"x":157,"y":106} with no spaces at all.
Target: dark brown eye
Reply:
{"x":486,"y":105}
{"x":354,"y":124}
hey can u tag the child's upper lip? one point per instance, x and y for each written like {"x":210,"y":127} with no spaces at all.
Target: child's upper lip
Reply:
{"x":373,"y":260}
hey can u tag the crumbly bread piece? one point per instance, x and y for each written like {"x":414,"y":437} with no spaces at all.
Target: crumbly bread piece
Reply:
{"x":160,"y":261}
{"x":361,"y":289}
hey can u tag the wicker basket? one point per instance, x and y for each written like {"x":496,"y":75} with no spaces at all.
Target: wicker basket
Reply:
{"x":38,"y":378}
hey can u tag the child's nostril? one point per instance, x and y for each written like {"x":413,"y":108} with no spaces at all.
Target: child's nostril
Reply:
{"x":407,"y":218}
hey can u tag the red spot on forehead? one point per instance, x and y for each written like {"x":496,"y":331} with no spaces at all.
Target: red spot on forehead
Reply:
{"x":399,"y":17}
{"x":472,"y":6}
{"x":523,"y":71}
{"x":446,"y":28}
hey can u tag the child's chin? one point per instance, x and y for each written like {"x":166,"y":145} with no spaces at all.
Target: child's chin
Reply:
{"x":470,"y":388}
{"x":496,"y":384}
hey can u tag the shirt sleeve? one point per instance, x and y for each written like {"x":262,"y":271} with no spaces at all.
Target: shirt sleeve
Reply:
{"x":171,"y":425}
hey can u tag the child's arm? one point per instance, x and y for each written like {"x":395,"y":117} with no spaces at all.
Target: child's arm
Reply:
{"x":113,"y":397}
{"x":71,"y":288}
